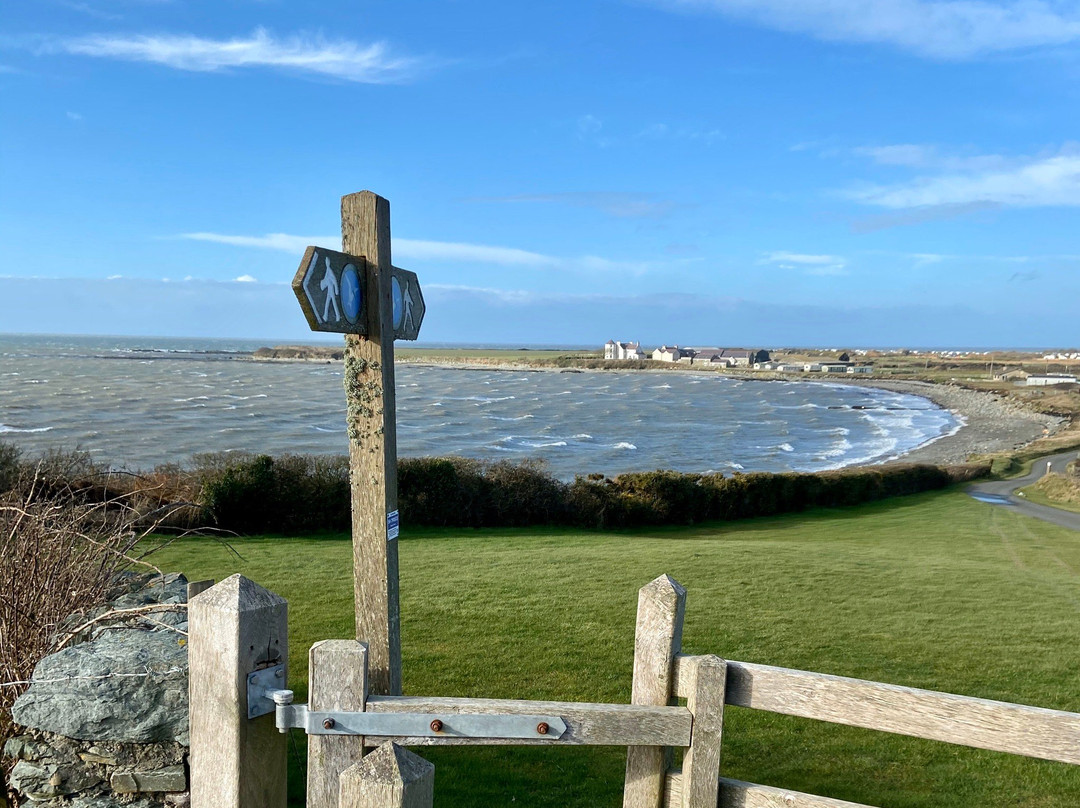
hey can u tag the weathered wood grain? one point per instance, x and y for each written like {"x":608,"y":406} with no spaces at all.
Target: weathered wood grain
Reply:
{"x":586,"y":724}
{"x":661,"y":607}
{"x":390,"y":777}
{"x":372,"y":426}
{"x":964,"y":720}
{"x":338,"y":681}
{"x":737,"y":794}
{"x":701,"y":763}
{"x":234,"y":628}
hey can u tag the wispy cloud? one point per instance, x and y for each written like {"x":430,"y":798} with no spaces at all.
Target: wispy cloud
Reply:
{"x":591,"y":130}
{"x":809,"y":264}
{"x":622,"y":205}
{"x":74,"y":116}
{"x":341,"y":59}
{"x":921,"y":215}
{"x":938,"y":29}
{"x":663,"y":131}
{"x":1039,"y":182}
{"x":448,"y":251}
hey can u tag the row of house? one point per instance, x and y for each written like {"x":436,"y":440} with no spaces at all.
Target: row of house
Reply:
{"x":730,"y":357}
{"x":1020,"y":376}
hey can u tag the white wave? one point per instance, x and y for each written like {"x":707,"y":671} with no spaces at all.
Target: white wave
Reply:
{"x":786,"y":447}
{"x":245,"y":398}
{"x":543,"y":445}
{"x":12,"y":429}
{"x":193,"y":398}
{"x":323,"y":429}
{"x":508,"y":418}
{"x":582,"y":436}
{"x":661,"y":387}
{"x":624,"y":445}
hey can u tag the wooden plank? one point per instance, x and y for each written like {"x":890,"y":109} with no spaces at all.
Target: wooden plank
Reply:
{"x":661,"y":607}
{"x":980,"y":723}
{"x":390,"y":777}
{"x":586,"y":724}
{"x":234,"y":628}
{"x":372,"y":426}
{"x":701,"y":763}
{"x":737,"y":794}
{"x":338,"y":681}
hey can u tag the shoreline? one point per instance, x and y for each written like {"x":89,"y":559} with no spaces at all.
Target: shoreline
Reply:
{"x":990,"y":422}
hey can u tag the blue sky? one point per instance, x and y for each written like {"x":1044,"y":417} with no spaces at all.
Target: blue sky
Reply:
{"x":774,"y":172}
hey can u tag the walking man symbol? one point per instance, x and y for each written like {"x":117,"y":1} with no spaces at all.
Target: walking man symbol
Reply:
{"x":329,"y":285}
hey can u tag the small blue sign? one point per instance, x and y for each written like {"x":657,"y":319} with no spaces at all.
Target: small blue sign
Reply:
{"x":351,"y":297}
{"x":392,"y":525}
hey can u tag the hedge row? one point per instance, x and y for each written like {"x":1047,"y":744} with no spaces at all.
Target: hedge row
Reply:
{"x":263,"y":494}
{"x":293,"y":494}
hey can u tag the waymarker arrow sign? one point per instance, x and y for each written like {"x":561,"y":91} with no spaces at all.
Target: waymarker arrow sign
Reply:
{"x":332,"y":290}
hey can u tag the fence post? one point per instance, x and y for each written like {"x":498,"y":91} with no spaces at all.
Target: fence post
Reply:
{"x":701,"y":763}
{"x":234,"y":628}
{"x":390,"y":777}
{"x":338,"y":672}
{"x":661,"y":606}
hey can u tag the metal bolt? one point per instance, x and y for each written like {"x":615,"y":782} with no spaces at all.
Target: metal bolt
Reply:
{"x":436,"y":725}
{"x":542,"y":728}
{"x":328,"y":723}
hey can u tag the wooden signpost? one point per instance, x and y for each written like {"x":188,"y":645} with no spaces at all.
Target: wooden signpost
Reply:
{"x":359,"y":293}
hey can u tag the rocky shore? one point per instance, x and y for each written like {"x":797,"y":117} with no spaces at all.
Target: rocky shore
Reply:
{"x":992,"y":422}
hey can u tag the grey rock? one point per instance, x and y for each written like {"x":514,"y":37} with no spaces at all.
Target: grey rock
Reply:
{"x":181,"y":800}
{"x":170,"y":588}
{"x":98,"y":699}
{"x":172,"y":778}
{"x":106,"y":801}
{"x":46,"y":782}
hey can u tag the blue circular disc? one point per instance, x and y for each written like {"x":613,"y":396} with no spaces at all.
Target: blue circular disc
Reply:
{"x":399,"y":301}
{"x":351,"y":298}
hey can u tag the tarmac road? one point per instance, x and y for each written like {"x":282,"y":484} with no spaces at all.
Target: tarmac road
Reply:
{"x":1001,"y":492}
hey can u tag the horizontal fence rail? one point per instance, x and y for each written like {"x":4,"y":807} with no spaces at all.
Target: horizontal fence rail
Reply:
{"x":979,"y":723}
{"x":737,"y":794}
{"x":586,"y":724}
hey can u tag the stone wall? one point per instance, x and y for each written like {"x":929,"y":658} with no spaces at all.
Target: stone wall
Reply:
{"x":105,"y":722}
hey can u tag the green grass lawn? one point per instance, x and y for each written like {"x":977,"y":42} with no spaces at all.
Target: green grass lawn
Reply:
{"x":935,"y":590}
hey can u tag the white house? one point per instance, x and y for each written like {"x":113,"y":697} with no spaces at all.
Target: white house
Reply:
{"x":1049,"y":379}
{"x":666,"y":354}
{"x":860,"y":369}
{"x":622,"y":350}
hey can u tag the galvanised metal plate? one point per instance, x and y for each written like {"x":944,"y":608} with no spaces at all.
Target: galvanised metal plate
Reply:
{"x":417,"y":725}
{"x":259,"y":685}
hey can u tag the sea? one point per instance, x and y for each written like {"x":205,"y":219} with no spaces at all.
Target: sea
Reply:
{"x":138,"y":403}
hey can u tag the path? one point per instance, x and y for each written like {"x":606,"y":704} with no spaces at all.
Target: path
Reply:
{"x":1001,"y":492}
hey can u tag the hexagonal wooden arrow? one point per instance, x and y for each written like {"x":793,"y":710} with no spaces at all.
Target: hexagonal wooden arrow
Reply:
{"x":332,"y":286}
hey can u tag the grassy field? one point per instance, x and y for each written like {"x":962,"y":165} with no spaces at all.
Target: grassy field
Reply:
{"x":935,"y":591}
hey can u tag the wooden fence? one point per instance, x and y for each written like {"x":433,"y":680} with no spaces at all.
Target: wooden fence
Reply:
{"x":238,"y":632}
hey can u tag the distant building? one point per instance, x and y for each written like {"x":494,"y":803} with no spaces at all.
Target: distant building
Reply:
{"x":667,"y":354}
{"x":1049,"y":379}
{"x":732,"y":357}
{"x":1013,"y":375}
{"x":788,"y":367}
{"x":622,"y":350}
{"x":834,"y":367}
{"x":860,"y":369}
{"x":811,"y":367}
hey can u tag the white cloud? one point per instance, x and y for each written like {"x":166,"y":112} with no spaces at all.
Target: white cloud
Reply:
{"x":621,"y":204}
{"x":810,"y":264}
{"x":939,"y":29}
{"x":662,"y":131}
{"x":1041,"y":182}
{"x":244,"y":279}
{"x":74,"y":116}
{"x":915,"y":155}
{"x":342,"y":59}
{"x":410,"y":249}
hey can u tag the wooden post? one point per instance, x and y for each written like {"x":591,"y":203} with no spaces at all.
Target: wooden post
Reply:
{"x":390,"y":777}
{"x":701,"y":764}
{"x":372,"y":426}
{"x":234,"y":628}
{"x":337,"y":671}
{"x":661,"y":606}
